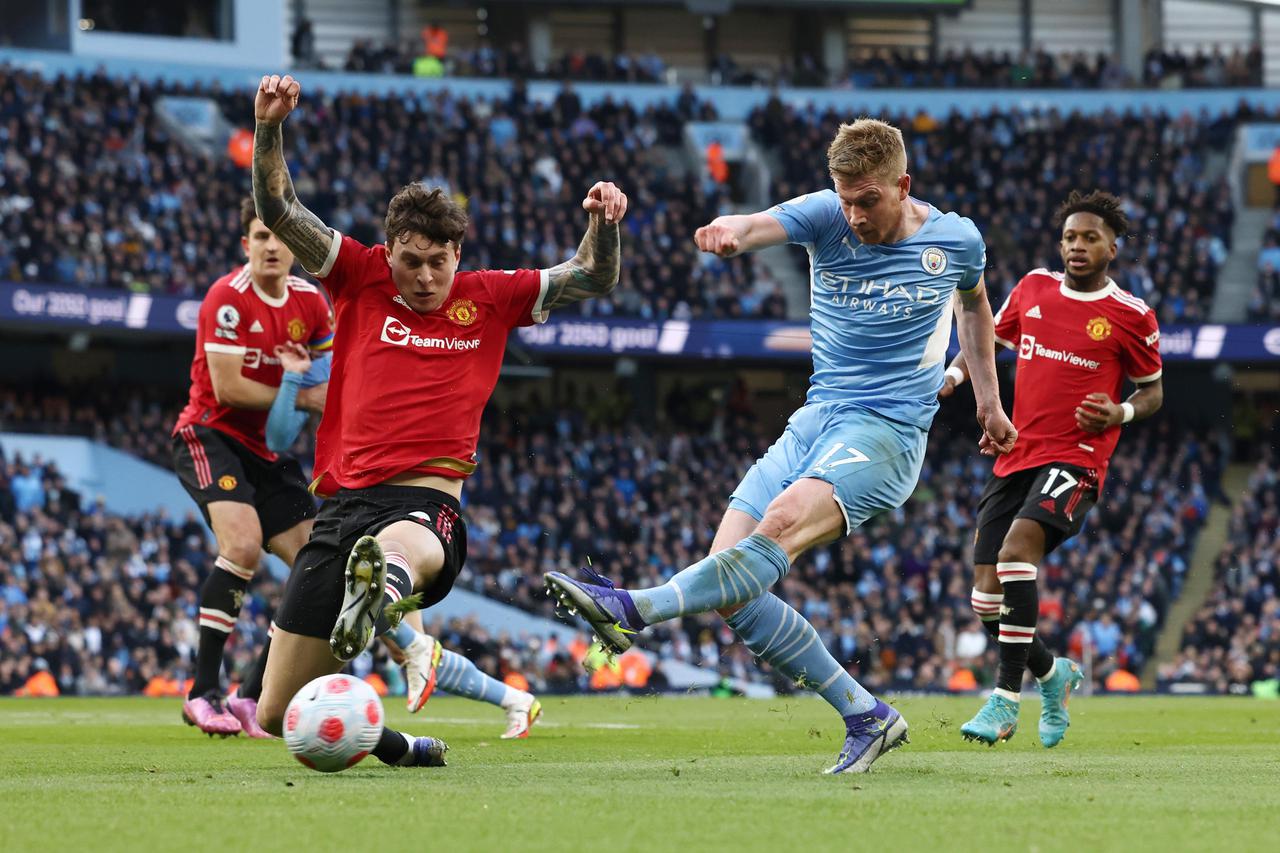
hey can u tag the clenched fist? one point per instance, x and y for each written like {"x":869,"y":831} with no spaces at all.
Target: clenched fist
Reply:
{"x":276,"y":98}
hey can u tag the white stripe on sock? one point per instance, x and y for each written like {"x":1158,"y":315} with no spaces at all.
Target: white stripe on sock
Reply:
{"x":830,"y":681}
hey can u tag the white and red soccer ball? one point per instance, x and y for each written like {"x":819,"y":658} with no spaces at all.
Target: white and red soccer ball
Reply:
{"x":333,"y":722}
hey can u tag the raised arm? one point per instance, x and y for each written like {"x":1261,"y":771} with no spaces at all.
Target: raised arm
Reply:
{"x":727,"y":236}
{"x":594,"y":269}
{"x":976,"y":330}
{"x":278,"y":207}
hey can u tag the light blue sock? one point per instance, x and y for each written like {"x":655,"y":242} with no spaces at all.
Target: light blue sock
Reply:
{"x":461,"y":677}
{"x":732,"y":576}
{"x":776,"y":633}
{"x":404,"y":635}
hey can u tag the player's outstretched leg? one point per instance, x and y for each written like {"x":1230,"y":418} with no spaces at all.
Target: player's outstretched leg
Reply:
{"x":779,"y":635}
{"x":1055,"y":692}
{"x":732,"y":576}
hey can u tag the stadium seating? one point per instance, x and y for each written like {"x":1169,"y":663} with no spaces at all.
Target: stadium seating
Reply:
{"x":1008,"y":171}
{"x":108,"y":604}
{"x":882,"y":68}
{"x":1233,"y":643}
{"x":108,"y":196}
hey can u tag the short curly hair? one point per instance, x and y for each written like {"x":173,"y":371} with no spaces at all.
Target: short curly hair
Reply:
{"x":429,"y":212}
{"x":1103,"y":205}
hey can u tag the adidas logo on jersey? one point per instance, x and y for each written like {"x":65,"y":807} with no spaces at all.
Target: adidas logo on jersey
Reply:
{"x":1034,"y":312}
{"x":256,"y":327}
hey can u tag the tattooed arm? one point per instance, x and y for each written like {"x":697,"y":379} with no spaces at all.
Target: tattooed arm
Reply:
{"x":594,"y":270}
{"x":278,"y":207}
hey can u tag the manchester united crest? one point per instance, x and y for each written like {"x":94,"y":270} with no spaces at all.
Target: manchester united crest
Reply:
{"x":226,"y":482}
{"x":297,"y":328}
{"x":462,"y":311}
{"x":1099,"y":328}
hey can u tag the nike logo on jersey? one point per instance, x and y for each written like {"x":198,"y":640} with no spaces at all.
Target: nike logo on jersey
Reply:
{"x":1034,"y":313}
{"x":256,"y":327}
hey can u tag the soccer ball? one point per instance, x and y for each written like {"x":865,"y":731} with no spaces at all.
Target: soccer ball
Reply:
{"x":333,"y":722}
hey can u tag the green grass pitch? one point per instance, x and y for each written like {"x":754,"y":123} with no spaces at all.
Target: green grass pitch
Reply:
{"x":651,"y":774}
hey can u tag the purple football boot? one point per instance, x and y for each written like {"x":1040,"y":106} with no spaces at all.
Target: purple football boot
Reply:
{"x":610,"y":611}
{"x":869,"y":736}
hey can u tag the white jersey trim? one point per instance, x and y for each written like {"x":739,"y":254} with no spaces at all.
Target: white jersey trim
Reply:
{"x":1093,"y":296}
{"x":1130,"y":301}
{"x":331,"y":258}
{"x":273,"y":301}
{"x":1152,"y":378}
{"x":1006,"y":344}
{"x":241,"y":282}
{"x":227,"y":348}
{"x":540,"y":314}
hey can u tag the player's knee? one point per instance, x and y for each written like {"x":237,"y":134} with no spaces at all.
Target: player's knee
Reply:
{"x":779,"y":521}
{"x":1015,"y":550}
{"x":726,"y":612}
{"x":240,"y":562}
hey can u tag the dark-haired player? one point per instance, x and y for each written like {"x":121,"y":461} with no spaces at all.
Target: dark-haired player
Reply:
{"x":1078,"y":337}
{"x":248,"y":494}
{"x":417,"y":356}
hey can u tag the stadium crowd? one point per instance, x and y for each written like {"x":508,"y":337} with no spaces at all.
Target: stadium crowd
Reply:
{"x":98,"y":191}
{"x":1264,"y":302}
{"x":1008,"y":171}
{"x":1232,"y":645}
{"x":898,"y":68}
{"x":108,"y":604}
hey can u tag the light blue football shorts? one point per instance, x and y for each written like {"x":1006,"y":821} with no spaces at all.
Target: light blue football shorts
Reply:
{"x":873,"y":463}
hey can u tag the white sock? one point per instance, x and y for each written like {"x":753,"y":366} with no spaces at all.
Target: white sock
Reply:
{"x":1043,"y":678}
{"x":1008,"y":694}
{"x":512,"y":697}
{"x":406,"y":760}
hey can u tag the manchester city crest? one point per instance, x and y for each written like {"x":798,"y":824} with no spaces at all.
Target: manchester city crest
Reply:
{"x":933,"y":260}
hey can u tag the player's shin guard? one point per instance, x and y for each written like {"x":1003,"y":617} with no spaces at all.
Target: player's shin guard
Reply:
{"x":986,"y":605}
{"x":780,"y":636}
{"x":220,"y":602}
{"x":1017,"y":625}
{"x":730,"y":577}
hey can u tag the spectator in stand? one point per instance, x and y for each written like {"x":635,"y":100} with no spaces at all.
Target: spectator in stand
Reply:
{"x":108,"y":197}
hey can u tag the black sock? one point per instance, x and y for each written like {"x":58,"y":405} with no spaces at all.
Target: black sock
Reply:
{"x":252,"y":686}
{"x":400,"y":584}
{"x":1039,"y":659}
{"x":392,"y":747}
{"x":220,"y":602}
{"x":1017,"y":630}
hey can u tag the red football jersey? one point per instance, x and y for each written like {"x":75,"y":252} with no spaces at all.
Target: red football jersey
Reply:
{"x":238,"y":318}
{"x":407,"y":389}
{"x":1070,"y":345}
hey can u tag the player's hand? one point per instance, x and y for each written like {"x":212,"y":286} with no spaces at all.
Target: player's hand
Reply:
{"x":606,"y":200}
{"x":312,"y":399}
{"x":276,"y":98}
{"x":294,"y":357}
{"x":717,"y":239}
{"x":1096,"y":413}
{"x":998,"y":433}
{"x":948,"y":387}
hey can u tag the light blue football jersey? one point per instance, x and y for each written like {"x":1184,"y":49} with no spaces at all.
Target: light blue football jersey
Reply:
{"x":881,"y":315}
